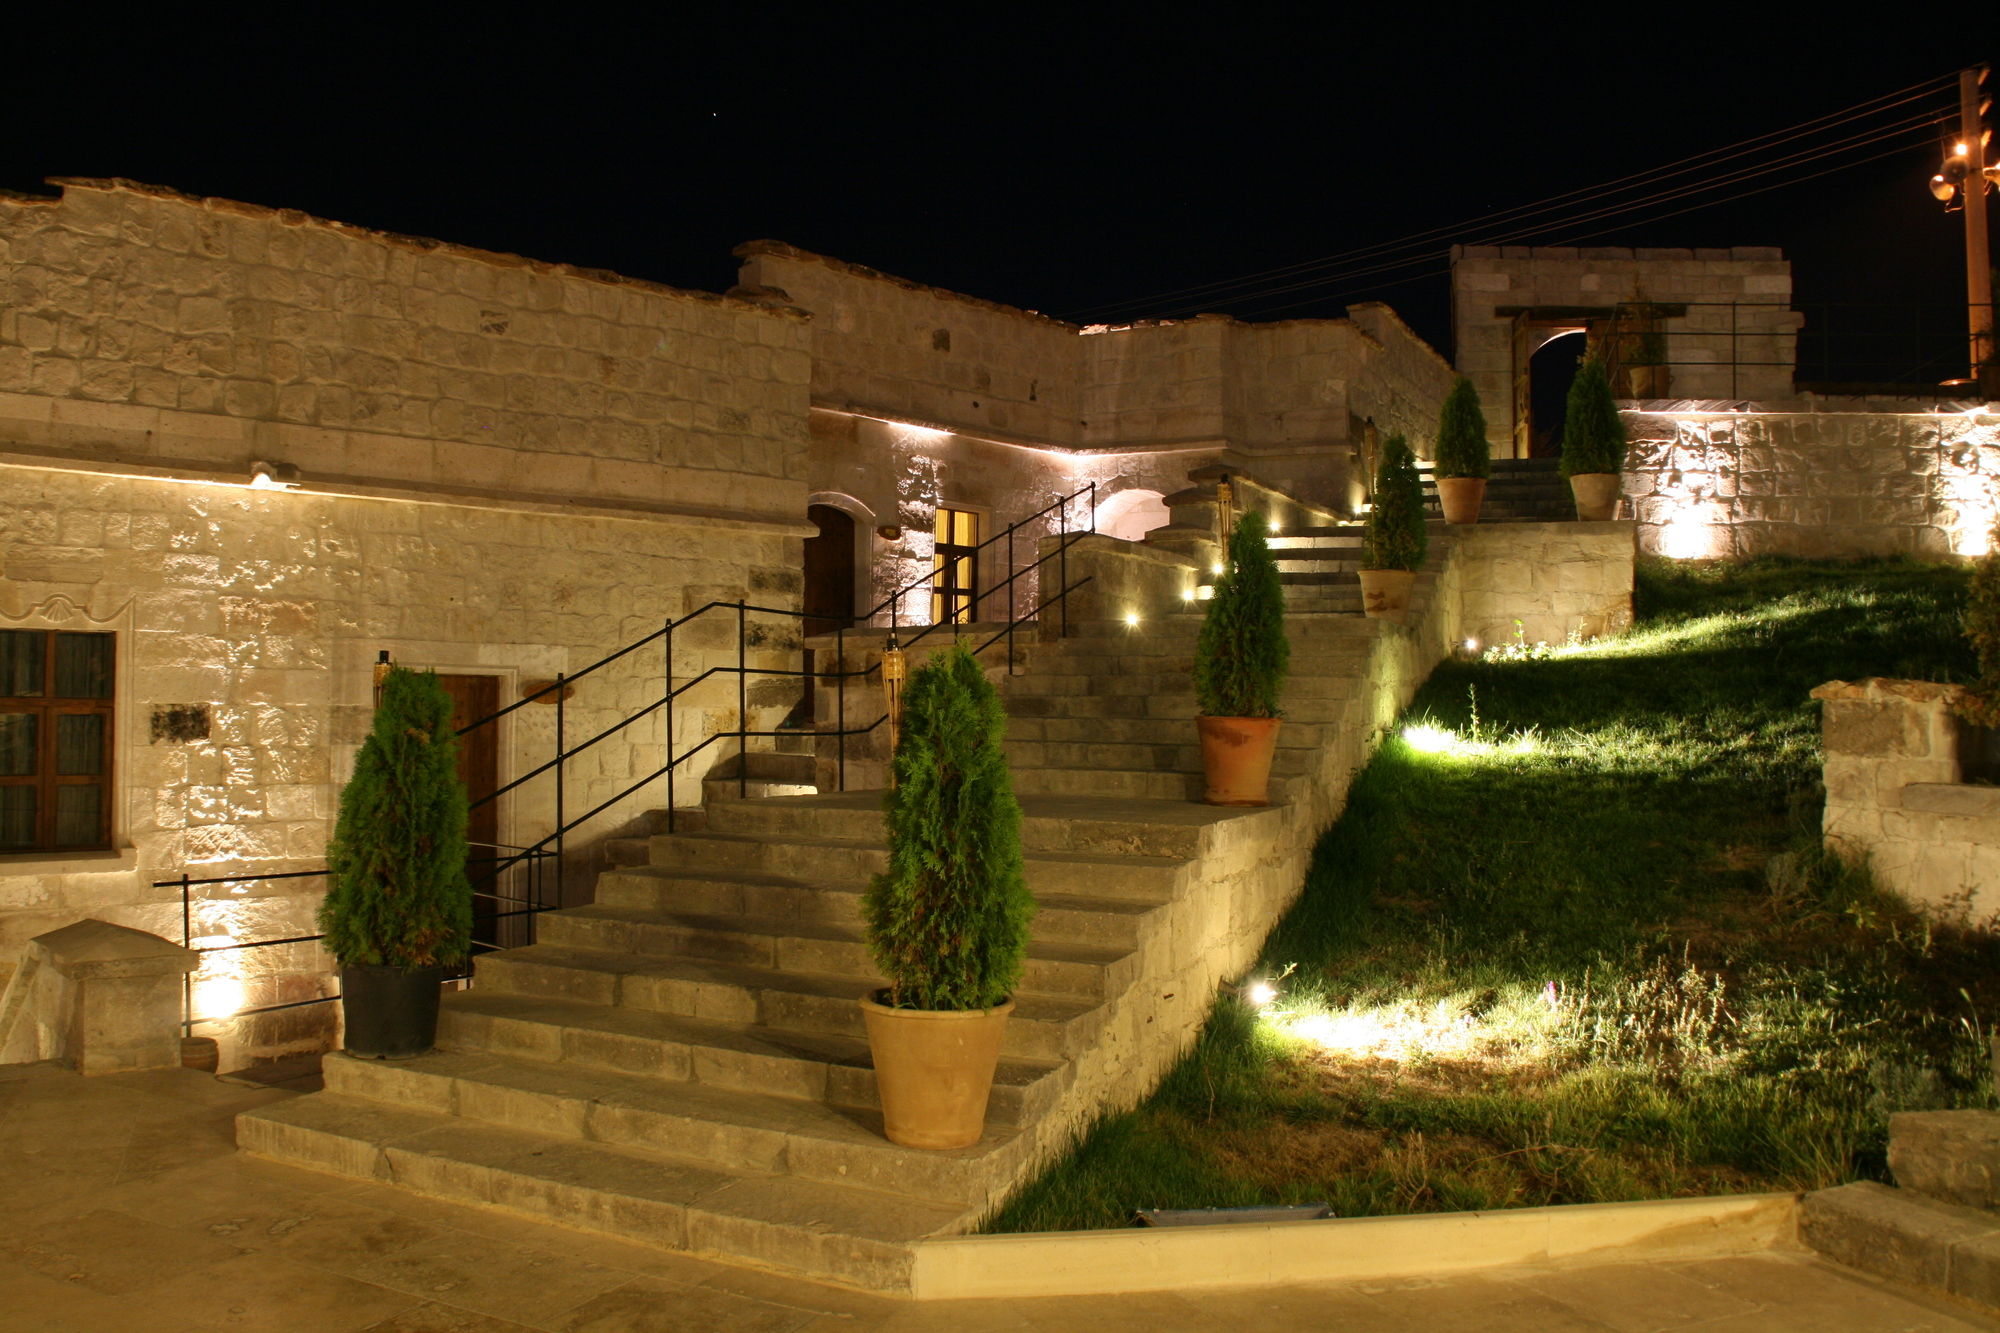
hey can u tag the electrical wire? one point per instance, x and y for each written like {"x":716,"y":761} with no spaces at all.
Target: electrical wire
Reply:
{"x":1260,"y":283}
{"x":1902,"y":132}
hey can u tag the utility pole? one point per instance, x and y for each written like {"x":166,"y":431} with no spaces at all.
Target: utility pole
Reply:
{"x":1978,"y":260}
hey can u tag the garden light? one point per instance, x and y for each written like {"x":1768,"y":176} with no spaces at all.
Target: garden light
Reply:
{"x":1260,"y":993}
{"x":1132,"y":620}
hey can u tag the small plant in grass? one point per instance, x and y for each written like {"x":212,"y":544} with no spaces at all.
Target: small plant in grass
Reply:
{"x":947,"y":922}
{"x":1593,"y":436}
{"x":396,"y":889}
{"x":1394,"y":536}
{"x":1979,"y":704}
{"x":1462,"y":450}
{"x":1242,"y":656}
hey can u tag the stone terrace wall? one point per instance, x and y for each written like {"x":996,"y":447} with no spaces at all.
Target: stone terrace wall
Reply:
{"x":1813,"y":476}
{"x":1529,"y":583}
{"x":884,"y":346}
{"x":1281,"y":397}
{"x":1487,"y":278}
{"x":194,"y":336}
{"x":1893,"y":796}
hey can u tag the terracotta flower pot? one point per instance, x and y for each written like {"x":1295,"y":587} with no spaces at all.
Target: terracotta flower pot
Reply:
{"x":934,"y":1070}
{"x":1596,"y":495}
{"x":1460,"y":498}
{"x":1236,"y":758}
{"x":1385,"y":593}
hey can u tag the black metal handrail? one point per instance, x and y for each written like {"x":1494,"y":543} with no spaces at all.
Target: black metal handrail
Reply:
{"x":1862,"y":343}
{"x":187,"y":884}
{"x":546,"y":855}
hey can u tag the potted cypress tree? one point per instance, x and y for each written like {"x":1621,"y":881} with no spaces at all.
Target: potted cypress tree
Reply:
{"x":1464,"y":459}
{"x":1240,"y":662}
{"x":398,"y":909}
{"x":947,"y":922}
{"x":1394,"y":540}
{"x":1593,"y":447}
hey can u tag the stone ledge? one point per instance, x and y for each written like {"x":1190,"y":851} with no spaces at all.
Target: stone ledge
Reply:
{"x":1952,"y":798}
{"x":1907,"y":1237}
{"x":1074,"y":1263}
{"x":1948,"y":1155}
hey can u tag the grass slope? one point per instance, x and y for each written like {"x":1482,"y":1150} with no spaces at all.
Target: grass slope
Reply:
{"x":1573,"y":941}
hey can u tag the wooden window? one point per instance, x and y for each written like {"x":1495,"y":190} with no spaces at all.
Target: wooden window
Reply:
{"x":55,"y":740}
{"x":955,"y":566}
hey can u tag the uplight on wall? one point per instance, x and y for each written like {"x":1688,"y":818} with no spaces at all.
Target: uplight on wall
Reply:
{"x":1131,"y":620}
{"x":265,"y":476}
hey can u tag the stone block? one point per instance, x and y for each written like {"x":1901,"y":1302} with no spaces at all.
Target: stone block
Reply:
{"x":1894,"y":1234}
{"x":110,"y":997}
{"x":1949,"y":1155}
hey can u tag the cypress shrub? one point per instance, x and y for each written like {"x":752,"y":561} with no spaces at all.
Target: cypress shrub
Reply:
{"x":1980,"y":704}
{"x":947,"y":922}
{"x":396,"y":888}
{"x":1395,"y":536}
{"x":1462,"y":450}
{"x":1242,"y":655}
{"x":1593,"y":435}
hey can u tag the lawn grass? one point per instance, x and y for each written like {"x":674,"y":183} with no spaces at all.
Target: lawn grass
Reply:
{"x":1573,"y":940}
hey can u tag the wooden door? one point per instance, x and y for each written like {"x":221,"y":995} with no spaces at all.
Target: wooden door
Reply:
{"x":829,"y":590}
{"x":472,"y":698}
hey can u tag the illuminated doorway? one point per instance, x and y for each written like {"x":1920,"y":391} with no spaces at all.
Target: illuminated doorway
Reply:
{"x":955,"y":566}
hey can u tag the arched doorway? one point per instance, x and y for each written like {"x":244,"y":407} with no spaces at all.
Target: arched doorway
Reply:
{"x":828,"y":594}
{"x":1551,"y":371}
{"x":1130,"y":515}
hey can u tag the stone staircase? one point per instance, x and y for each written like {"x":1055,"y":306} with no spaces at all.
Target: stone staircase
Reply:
{"x":1521,"y":490}
{"x":1319,"y":568}
{"x":681,"y":1063}
{"x":1940,"y":1228}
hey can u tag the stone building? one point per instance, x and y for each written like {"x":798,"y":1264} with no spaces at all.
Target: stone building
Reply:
{"x":246,"y":452}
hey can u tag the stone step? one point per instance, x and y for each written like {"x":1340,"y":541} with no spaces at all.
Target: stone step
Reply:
{"x":834,"y":946}
{"x":1297,"y":751}
{"x":830,"y":1232}
{"x":1073,"y":715}
{"x":1907,"y":1237}
{"x":762,"y":773}
{"x":1139,"y":879}
{"x":1150,"y":828}
{"x":826,"y":1067}
{"x":1948,"y":1155}
{"x":581,"y":959}
{"x":1129,"y":783}
{"x":1083,"y":918}
{"x":739,"y":1132}
{"x":1304,"y":683}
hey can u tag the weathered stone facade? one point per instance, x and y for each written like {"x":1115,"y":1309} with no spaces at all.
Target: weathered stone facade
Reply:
{"x":961,"y":384}
{"x":502,"y":468}
{"x":1723,"y":319}
{"x":1813,"y":476}
{"x":1894,"y":796}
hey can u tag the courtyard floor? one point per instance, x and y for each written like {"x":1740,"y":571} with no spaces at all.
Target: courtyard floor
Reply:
{"x":124,"y":1206}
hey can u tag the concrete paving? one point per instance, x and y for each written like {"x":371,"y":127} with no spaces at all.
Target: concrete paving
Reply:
{"x":126,"y":1207}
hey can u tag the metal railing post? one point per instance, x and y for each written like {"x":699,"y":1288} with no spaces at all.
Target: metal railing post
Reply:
{"x":1062,"y":560}
{"x":667,"y":703}
{"x":187,"y":938}
{"x":840,"y":655}
{"x":561,"y":705}
{"x":1009,"y":611}
{"x":742,"y":701}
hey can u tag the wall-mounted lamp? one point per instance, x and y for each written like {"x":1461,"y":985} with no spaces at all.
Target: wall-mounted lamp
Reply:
{"x":273,"y":476}
{"x":889,"y":532}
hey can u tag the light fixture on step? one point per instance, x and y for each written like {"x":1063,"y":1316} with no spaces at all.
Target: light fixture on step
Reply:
{"x":267,"y":476}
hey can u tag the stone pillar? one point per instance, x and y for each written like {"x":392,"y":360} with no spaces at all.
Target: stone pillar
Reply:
{"x":109,"y":997}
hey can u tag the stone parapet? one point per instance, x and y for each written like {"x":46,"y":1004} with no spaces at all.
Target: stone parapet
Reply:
{"x":1813,"y":477}
{"x":103,"y":999}
{"x":1893,"y":795}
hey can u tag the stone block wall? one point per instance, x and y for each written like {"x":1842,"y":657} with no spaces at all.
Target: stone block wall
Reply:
{"x":502,"y":468}
{"x":1737,"y":338}
{"x":1813,"y":476}
{"x":1282,"y":398}
{"x":145,"y":329}
{"x":1529,"y":583}
{"x":1893,"y":796}
{"x":259,"y":615}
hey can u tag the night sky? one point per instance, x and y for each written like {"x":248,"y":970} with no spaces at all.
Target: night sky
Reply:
{"x":1057,"y":159}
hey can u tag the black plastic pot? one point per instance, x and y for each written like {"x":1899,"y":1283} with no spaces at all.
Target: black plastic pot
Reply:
{"x":391,"y":1013}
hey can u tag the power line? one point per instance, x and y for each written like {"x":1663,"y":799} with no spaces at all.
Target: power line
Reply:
{"x":1865,"y":109}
